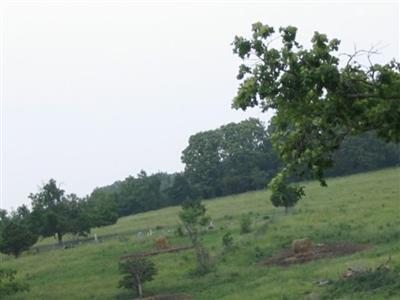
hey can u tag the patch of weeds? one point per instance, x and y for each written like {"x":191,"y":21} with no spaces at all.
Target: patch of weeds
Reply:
{"x":185,"y":258}
{"x":123,"y":238}
{"x":233,"y":275}
{"x":262,"y":229}
{"x":258,"y":252}
{"x":245,"y":224}
{"x":383,"y":279}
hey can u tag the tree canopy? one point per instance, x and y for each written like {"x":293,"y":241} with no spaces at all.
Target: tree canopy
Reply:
{"x":232,"y":159}
{"x":55,"y":214}
{"x":318,"y":99}
{"x":17,"y":233}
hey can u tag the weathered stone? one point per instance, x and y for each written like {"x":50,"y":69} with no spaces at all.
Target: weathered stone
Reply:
{"x":302,"y":246}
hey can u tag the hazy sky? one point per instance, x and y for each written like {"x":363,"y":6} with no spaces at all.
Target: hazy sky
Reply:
{"x":94,"y":91}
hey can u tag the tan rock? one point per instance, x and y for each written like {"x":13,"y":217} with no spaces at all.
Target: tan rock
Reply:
{"x":302,"y":246}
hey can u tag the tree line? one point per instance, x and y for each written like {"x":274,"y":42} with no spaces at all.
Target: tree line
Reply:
{"x":231,"y":159}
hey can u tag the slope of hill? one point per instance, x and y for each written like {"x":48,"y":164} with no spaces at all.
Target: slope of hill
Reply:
{"x":362,"y":208}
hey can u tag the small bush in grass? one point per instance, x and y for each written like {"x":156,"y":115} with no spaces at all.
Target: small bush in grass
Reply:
{"x":136,"y":270}
{"x":227,"y":241}
{"x":245,"y":224}
{"x":258,"y":252}
{"x":383,"y":279}
{"x":9,"y":285}
{"x":262,"y":229}
{"x":194,"y":220}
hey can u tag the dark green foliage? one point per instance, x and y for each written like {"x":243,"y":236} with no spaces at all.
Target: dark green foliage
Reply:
{"x":227,"y":241}
{"x":101,"y":207}
{"x":245,"y":224}
{"x":55,"y":214}
{"x":9,"y":285}
{"x":231,"y":159}
{"x":362,"y":153}
{"x":16,"y":232}
{"x":136,"y":270}
{"x":79,"y":219}
{"x":141,"y":193}
{"x":203,"y":164}
{"x":49,"y":211}
{"x":180,"y":190}
{"x":382,"y":279}
{"x":284,"y":195}
{"x":16,"y":237}
{"x":317,"y":102}
{"x":258,"y":252}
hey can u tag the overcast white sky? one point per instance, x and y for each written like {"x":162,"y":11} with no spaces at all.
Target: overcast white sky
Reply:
{"x":94,"y":91}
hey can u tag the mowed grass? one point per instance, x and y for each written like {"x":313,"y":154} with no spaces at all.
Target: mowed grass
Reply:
{"x":362,"y":208}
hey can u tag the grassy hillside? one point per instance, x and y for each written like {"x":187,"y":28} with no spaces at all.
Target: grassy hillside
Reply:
{"x":360,"y":208}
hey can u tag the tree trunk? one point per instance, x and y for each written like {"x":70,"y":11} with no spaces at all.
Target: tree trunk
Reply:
{"x":59,"y":238}
{"x":139,"y":287}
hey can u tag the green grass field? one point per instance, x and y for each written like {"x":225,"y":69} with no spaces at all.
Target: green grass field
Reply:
{"x":361,"y":208}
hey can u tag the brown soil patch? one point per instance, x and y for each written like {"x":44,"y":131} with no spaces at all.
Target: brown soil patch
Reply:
{"x":169,"y":297}
{"x":288,"y":256}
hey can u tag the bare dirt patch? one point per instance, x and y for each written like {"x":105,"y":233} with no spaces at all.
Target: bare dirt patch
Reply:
{"x":169,"y":297}
{"x":288,"y":257}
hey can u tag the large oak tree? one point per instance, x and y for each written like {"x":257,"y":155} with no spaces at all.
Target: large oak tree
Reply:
{"x":318,"y":99}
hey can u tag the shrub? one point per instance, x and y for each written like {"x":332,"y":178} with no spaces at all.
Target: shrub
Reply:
{"x":245,"y":224}
{"x":258,"y":252}
{"x":194,"y":219}
{"x":136,"y":271}
{"x":383,"y":278}
{"x":16,"y":237}
{"x":9,"y":285}
{"x":227,"y":241}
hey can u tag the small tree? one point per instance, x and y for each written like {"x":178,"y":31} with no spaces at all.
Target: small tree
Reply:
{"x":284,"y":195}
{"x":16,"y":234}
{"x":227,"y":241}
{"x":56,"y":214}
{"x":16,"y":238}
{"x":9,"y":285}
{"x":245,"y":224}
{"x":193,"y":217}
{"x":136,"y":271}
